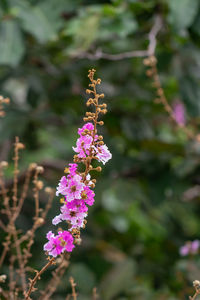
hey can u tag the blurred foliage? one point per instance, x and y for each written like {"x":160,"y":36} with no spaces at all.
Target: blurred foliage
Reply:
{"x":146,"y":207}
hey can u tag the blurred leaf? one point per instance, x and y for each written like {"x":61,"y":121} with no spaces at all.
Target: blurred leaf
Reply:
{"x":182,"y":13}
{"x":118,"y":279}
{"x":11,"y":43}
{"x":190,"y":91}
{"x":43,"y":20}
{"x":83,"y":31}
{"x":120,"y":25}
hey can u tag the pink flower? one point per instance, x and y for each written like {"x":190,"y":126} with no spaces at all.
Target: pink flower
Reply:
{"x":88,"y":195}
{"x":72,"y":169}
{"x":87,"y":126}
{"x":195,"y":246}
{"x":103,"y":154}
{"x":179,"y":112}
{"x":77,"y":204}
{"x":184,"y":250}
{"x":83,"y":146}
{"x":61,"y":189}
{"x":74,"y":188}
{"x":57,"y":219}
{"x":89,"y":182}
{"x":190,"y":248}
{"x":66,"y":240}
{"x":74,"y":216}
{"x":59,"y":243}
{"x":53,"y":246}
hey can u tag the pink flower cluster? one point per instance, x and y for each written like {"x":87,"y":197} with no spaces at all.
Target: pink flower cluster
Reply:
{"x":86,"y":143}
{"x":190,"y":248}
{"x":76,"y":191}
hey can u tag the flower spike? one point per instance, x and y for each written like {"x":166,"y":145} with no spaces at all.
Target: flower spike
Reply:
{"x":76,"y":187}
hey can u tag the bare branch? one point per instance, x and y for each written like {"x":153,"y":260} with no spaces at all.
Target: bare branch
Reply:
{"x":99,"y":54}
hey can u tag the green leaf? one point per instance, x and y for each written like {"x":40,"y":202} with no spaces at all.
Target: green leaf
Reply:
{"x":182,"y":13}
{"x":84,"y":31}
{"x":120,"y":25}
{"x":11,"y":43}
{"x":43,"y":20}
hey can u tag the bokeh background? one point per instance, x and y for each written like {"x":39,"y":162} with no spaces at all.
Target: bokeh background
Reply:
{"x":147,"y":197}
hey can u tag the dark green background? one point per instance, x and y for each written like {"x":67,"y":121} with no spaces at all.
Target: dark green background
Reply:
{"x":142,"y":215}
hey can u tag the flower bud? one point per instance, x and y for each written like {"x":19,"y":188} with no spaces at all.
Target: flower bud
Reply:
{"x":40,"y":169}
{"x":98,"y":169}
{"x":48,"y":190}
{"x":20,"y":146}
{"x":4,"y":164}
{"x":100,"y":123}
{"x":39,"y":184}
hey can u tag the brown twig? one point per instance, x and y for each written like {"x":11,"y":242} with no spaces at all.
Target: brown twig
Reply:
{"x":73,"y":285}
{"x":37,"y":221}
{"x":56,"y":276}
{"x":94,"y":294}
{"x":16,"y":171}
{"x":37,"y":277}
{"x":24,"y":190}
{"x":12,"y":282}
{"x":6,"y":245}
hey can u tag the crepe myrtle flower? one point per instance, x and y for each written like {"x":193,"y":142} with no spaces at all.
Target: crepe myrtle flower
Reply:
{"x":72,"y":169}
{"x":56,"y":245}
{"x":103,"y":154}
{"x":62,"y":186}
{"x":76,"y":188}
{"x":71,"y":213}
{"x":190,"y":247}
{"x":87,"y":128}
{"x":83,"y":146}
{"x":77,"y":204}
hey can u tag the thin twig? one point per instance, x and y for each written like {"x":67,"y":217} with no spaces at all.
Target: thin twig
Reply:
{"x":56,"y":276}
{"x":73,"y":285}
{"x":16,"y":171}
{"x":12,"y":282}
{"x":94,"y":294}
{"x":37,"y":277}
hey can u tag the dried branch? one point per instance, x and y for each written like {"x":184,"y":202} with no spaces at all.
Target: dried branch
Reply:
{"x":12,"y":211}
{"x":47,"y":164}
{"x":37,"y":277}
{"x":56,"y":277}
{"x":73,"y":285}
{"x":12,"y":282}
{"x":99,"y":54}
{"x":17,"y":146}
